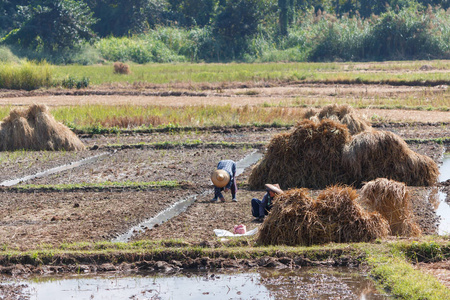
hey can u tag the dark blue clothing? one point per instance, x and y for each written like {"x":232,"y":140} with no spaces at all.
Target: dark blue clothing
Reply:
{"x":260,"y":208}
{"x":230,"y":167}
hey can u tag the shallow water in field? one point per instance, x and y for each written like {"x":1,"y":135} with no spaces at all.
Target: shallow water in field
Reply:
{"x":443,"y":210}
{"x":305,"y":283}
{"x":55,"y":170}
{"x":445,"y":168}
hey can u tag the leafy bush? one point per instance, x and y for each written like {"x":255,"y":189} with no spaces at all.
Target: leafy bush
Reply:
{"x":140,"y":49}
{"x":403,"y":34}
{"x":7,"y":56}
{"x":71,"y":82}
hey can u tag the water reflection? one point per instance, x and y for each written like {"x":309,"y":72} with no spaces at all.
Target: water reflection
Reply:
{"x":305,"y":283}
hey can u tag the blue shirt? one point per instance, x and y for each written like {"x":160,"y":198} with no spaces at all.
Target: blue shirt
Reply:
{"x":265,"y":203}
{"x":229,"y":166}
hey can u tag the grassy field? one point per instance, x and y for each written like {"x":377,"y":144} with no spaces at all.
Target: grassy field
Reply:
{"x":391,"y":72}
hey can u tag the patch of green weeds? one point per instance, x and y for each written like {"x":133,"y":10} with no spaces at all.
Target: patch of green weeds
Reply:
{"x":393,"y":273}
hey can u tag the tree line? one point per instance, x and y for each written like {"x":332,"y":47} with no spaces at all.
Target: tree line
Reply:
{"x":55,"y":26}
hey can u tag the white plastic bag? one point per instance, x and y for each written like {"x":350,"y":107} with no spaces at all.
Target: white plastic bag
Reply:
{"x":222,"y":232}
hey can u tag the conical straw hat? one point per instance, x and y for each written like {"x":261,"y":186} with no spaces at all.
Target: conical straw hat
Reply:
{"x":220,"y":178}
{"x":274,"y":188}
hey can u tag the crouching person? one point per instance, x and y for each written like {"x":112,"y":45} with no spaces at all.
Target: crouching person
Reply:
{"x":260,"y":208}
{"x":224,"y":179}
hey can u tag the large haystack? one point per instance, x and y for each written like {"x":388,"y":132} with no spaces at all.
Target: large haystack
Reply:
{"x":335,"y":216}
{"x":391,"y":199}
{"x":320,"y":152}
{"x":373,"y":154}
{"x":343,"y":114}
{"x":309,"y":156}
{"x":35,"y":129}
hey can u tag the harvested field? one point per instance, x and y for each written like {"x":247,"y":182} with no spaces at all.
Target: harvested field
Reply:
{"x":194,"y":225}
{"x":39,"y":217}
{"x":144,"y":165}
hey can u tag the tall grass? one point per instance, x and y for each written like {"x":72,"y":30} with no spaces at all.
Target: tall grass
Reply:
{"x":26,"y":75}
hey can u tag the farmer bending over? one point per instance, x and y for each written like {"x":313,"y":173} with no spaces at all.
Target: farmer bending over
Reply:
{"x":260,"y":208}
{"x":223,"y":179}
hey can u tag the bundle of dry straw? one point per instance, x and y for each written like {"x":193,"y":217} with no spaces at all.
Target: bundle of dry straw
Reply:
{"x":310,"y":156}
{"x":322,"y":152}
{"x":36,"y":129}
{"x":343,"y":114}
{"x":391,"y":199}
{"x":335,"y":216}
{"x":373,"y":154}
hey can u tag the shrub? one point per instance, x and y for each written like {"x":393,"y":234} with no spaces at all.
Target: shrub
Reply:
{"x":71,"y":82}
{"x":6,"y":55}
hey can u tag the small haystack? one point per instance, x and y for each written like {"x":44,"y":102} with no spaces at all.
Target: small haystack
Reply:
{"x":309,"y":156}
{"x":373,"y":154}
{"x":343,"y":114}
{"x":35,"y":129}
{"x":391,"y":199}
{"x":335,"y":216}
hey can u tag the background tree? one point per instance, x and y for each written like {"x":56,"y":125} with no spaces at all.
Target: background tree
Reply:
{"x":124,"y":17}
{"x":194,"y":12}
{"x":52,"y":25}
{"x":235,"y":22}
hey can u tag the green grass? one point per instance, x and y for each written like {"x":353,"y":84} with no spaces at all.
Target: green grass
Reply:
{"x":392,"y":271}
{"x":243,"y":72}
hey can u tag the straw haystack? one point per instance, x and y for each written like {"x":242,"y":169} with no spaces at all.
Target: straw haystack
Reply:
{"x":391,"y":199}
{"x":343,"y":114}
{"x":35,"y":129}
{"x":373,"y":154}
{"x":309,"y":156}
{"x":335,"y":216}
{"x":317,"y":154}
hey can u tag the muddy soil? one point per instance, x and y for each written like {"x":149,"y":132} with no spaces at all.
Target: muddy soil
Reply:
{"x":18,"y":164}
{"x":440,"y":270}
{"x":144,"y":165}
{"x":29,"y":219}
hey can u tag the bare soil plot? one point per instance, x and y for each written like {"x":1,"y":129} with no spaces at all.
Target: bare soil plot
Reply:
{"x":145,"y":165}
{"x":55,"y":217}
{"x":29,"y":220}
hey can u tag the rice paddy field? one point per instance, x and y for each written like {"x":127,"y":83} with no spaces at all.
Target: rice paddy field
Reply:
{"x":151,"y":139}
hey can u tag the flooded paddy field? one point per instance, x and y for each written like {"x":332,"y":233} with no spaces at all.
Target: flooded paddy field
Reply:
{"x":267,"y":283}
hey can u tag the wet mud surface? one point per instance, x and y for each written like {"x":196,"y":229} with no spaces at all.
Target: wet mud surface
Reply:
{"x":143,"y":165}
{"x":34,"y":218}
